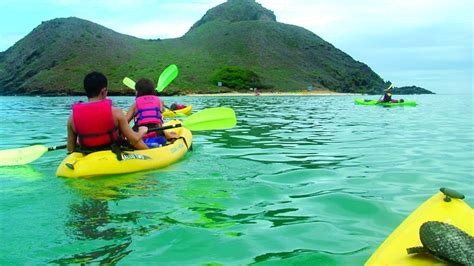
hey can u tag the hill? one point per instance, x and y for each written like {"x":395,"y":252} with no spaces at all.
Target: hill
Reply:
{"x":411,"y":90}
{"x":55,"y":56}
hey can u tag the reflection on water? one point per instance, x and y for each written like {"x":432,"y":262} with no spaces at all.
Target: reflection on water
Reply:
{"x":94,"y":217}
{"x":20,"y":173}
{"x":109,"y":254}
{"x":300,"y":180}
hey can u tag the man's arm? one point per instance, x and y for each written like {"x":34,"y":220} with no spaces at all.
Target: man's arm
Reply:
{"x":134,"y":138}
{"x":162,"y":107}
{"x":71,"y":136}
{"x":131,"y":112}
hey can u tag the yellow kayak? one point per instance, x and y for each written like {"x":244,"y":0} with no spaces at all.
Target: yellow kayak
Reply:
{"x":181,"y":112}
{"x":393,"y":250}
{"x":105,"y":162}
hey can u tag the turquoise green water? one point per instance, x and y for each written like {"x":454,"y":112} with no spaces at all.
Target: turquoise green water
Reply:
{"x":300,"y":180}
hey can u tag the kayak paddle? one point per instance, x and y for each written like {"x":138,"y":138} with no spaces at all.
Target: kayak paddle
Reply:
{"x":24,"y":155}
{"x":129,"y":83}
{"x":207,"y":119}
{"x":166,"y":77}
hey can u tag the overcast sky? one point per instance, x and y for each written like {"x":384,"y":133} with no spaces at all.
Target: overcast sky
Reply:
{"x":427,"y":43}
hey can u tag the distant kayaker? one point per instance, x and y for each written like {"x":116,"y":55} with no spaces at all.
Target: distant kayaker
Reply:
{"x":177,"y":106}
{"x":96,"y":124}
{"x":146,"y":111}
{"x":387,"y":97}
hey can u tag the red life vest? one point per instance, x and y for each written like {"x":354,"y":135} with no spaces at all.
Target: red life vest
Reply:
{"x":148,"y":110}
{"x":94,"y":123}
{"x":180,"y":106}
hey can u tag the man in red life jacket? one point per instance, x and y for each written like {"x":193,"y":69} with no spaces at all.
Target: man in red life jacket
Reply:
{"x":96,"y":124}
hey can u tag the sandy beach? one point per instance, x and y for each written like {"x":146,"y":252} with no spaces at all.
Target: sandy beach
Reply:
{"x":296,"y":93}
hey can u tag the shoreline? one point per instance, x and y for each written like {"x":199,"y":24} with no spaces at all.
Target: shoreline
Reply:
{"x":300,"y":93}
{"x":220,"y":94}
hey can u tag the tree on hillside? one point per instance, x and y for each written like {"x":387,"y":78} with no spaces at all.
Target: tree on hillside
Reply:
{"x":236,"y":78}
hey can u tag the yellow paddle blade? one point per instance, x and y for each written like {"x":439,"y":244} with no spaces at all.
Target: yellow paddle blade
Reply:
{"x":21,"y":155}
{"x":211,"y":119}
{"x":129,"y":83}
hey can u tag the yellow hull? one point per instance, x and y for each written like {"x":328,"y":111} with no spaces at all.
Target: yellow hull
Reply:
{"x":103,"y":163}
{"x":181,"y":112}
{"x":393,"y":249}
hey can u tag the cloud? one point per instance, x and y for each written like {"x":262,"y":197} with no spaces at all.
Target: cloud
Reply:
{"x":107,"y":4}
{"x":169,"y":19}
{"x":339,"y":18}
{"x":150,"y":29}
{"x":192,"y":6}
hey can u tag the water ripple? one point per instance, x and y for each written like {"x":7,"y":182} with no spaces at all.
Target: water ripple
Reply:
{"x":300,"y":180}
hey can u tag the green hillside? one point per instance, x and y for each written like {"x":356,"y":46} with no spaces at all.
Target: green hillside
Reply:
{"x":56,"y":55}
{"x":411,"y":90}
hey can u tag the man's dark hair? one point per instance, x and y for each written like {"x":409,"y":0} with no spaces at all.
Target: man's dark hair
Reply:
{"x":145,"y":87}
{"x":94,"y":82}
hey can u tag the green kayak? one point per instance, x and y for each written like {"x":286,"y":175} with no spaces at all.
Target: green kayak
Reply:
{"x":376,"y":102}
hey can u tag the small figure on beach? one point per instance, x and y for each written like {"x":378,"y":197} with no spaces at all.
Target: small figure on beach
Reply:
{"x":257,"y":92}
{"x":97,"y":125}
{"x":146,"y":112}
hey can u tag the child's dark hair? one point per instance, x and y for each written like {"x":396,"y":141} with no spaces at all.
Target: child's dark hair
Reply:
{"x":145,"y":87}
{"x":94,"y":82}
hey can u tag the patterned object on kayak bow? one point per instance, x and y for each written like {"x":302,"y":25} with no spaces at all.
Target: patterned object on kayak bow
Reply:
{"x":446,"y":242}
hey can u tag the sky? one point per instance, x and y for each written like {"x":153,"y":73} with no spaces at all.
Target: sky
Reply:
{"x":427,"y":43}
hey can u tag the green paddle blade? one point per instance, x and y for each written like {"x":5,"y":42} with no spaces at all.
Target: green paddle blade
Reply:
{"x":166,"y":77}
{"x":129,"y":83}
{"x":21,"y":155}
{"x":211,"y":119}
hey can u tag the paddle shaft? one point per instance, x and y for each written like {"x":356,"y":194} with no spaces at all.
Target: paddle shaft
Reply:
{"x":57,"y":147}
{"x":165,"y":127}
{"x":170,"y":110}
